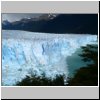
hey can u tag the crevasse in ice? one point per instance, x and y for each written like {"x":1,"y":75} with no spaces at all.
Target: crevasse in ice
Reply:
{"x":24,"y":53}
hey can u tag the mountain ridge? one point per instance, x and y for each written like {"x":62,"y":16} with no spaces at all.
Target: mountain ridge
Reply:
{"x":73,"y":23}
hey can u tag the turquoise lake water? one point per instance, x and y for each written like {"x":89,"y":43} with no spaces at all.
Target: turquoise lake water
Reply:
{"x":75,"y":62}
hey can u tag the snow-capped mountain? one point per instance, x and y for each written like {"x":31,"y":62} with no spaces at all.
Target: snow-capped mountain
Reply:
{"x":30,"y":52}
{"x":48,"y":16}
{"x":5,"y":22}
{"x":55,"y":23}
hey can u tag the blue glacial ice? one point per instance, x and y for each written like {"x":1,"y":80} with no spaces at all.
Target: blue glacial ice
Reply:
{"x":24,"y":53}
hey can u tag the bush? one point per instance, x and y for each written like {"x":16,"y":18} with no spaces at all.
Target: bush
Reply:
{"x":34,"y":80}
{"x":87,"y":76}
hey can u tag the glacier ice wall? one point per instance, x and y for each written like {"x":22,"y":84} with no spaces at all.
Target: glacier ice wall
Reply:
{"x":24,"y":53}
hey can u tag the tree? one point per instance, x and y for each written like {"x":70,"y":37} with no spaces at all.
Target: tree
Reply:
{"x":34,"y":80}
{"x":88,"y":75}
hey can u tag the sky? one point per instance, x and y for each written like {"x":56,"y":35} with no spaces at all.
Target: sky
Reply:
{"x":16,"y":17}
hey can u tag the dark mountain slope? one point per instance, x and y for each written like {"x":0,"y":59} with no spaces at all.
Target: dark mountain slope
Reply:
{"x":64,"y":23}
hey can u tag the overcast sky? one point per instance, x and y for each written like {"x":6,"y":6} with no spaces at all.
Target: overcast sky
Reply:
{"x":15,"y":17}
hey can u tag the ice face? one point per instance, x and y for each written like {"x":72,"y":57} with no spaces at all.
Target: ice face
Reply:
{"x":24,"y":53}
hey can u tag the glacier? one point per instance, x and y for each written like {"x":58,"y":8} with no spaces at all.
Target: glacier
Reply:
{"x":24,"y":53}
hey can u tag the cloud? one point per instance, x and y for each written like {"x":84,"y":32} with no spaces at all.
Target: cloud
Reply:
{"x":16,"y":16}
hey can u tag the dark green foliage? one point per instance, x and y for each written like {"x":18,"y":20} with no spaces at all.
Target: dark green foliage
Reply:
{"x":90,"y":53}
{"x":87,"y":76}
{"x":34,"y":80}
